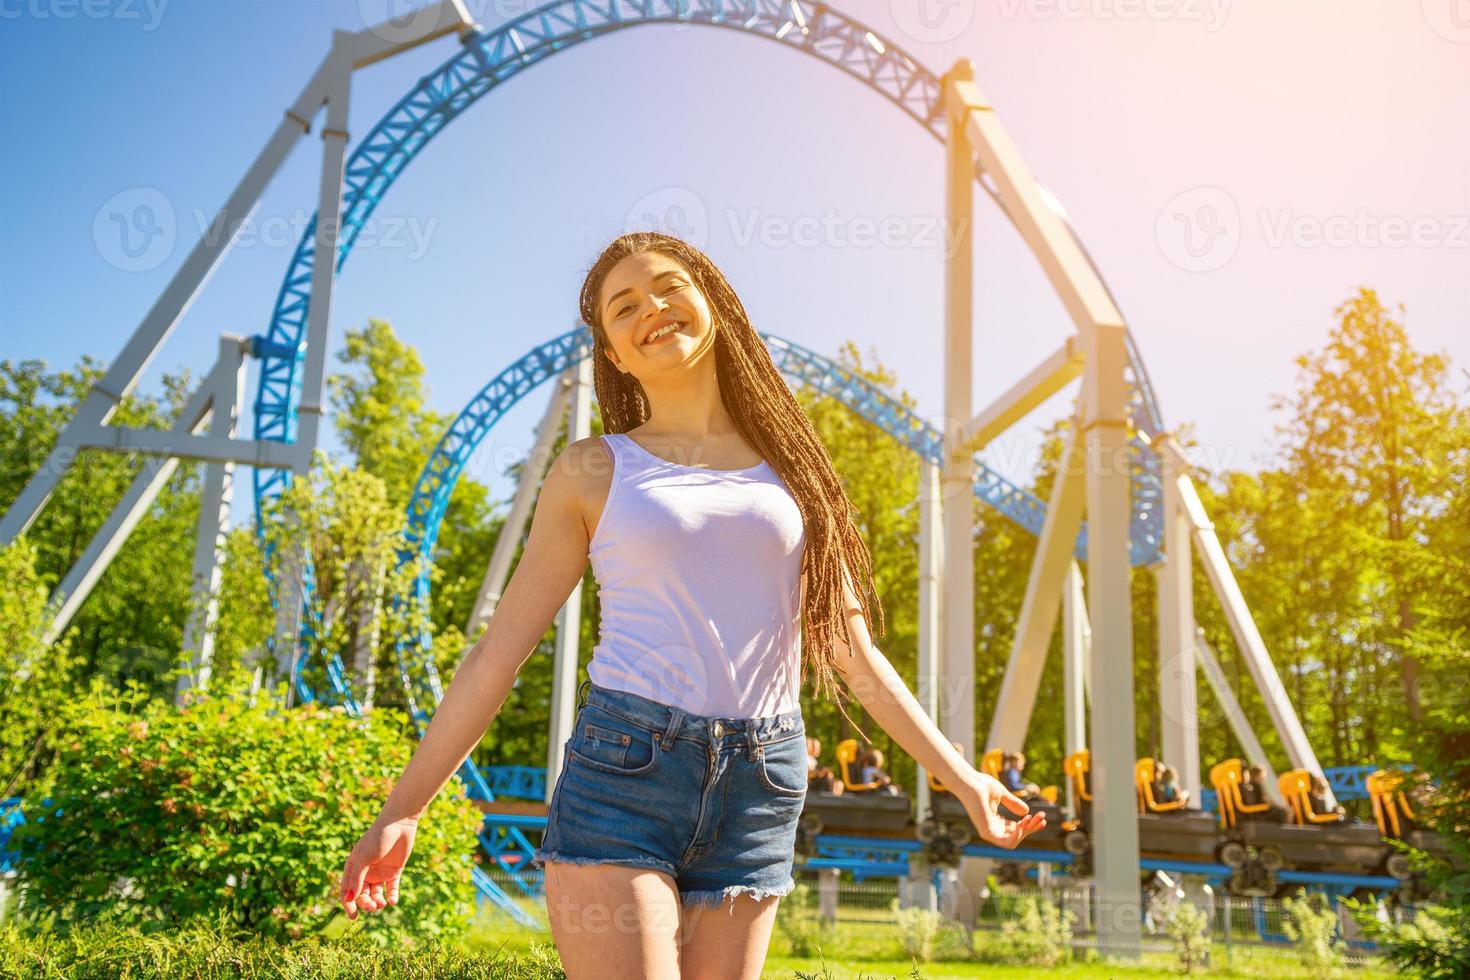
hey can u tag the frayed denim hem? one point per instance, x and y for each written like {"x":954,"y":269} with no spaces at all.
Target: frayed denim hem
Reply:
{"x":631,"y":862}
{"x":714,"y":897}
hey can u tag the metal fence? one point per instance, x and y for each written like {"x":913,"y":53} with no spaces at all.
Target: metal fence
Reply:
{"x":1235,"y":922}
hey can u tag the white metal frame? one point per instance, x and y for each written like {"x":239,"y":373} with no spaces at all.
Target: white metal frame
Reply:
{"x":90,"y":428}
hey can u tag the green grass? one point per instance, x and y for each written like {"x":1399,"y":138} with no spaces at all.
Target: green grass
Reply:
{"x":866,"y":949}
{"x":872,"y":953}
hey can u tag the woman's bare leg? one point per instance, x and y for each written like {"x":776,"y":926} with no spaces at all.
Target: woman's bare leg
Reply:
{"x":609,"y":920}
{"x":719,"y":944}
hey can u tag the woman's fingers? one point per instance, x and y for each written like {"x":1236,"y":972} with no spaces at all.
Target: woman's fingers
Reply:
{"x":1014,"y":803}
{"x":1011,"y":834}
{"x":352,"y":877}
{"x":372,"y":898}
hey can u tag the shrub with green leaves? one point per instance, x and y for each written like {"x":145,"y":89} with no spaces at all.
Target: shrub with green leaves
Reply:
{"x":1433,"y":943}
{"x":1188,"y":926}
{"x":1040,"y":934}
{"x":1314,"y":930}
{"x":919,"y":928}
{"x":798,"y":919}
{"x":201,"y":952}
{"x":159,"y":816}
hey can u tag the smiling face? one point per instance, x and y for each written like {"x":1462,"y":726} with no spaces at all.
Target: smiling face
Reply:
{"x":641,"y":297}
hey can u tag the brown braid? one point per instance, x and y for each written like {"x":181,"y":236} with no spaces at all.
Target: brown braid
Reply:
{"x":771,"y":420}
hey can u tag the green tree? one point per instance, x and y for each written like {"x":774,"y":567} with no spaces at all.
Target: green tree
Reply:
{"x":1368,"y":436}
{"x":1340,"y":546}
{"x":381,"y":412}
{"x":131,"y":626}
{"x":34,"y":678}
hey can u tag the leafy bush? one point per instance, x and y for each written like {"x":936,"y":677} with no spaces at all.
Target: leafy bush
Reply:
{"x":1434,"y":944}
{"x":1314,"y":930}
{"x":919,"y":928}
{"x":1039,"y":935}
{"x":1189,"y":927}
{"x":799,"y":920}
{"x":202,"y":952}
{"x":158,"y":816}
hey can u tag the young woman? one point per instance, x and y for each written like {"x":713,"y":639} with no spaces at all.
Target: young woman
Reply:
{"x":717,"y":528}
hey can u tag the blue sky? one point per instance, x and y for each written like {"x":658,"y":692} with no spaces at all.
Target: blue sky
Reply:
{"x":1236,"y":169}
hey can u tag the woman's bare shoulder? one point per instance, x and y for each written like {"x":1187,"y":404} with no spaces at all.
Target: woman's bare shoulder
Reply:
{"x":587,"y":456}
{"x":586,"y":467}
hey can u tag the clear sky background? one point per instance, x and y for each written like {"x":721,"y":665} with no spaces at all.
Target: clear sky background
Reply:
{"x":1237,"y":170}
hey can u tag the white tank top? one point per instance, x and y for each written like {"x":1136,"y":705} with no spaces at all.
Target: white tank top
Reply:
{"x":699,"y":578}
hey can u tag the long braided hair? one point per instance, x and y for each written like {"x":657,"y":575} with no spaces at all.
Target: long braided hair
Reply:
{"x":771,"y":420}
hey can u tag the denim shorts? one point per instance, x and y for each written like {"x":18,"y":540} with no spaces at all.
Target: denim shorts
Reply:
{"x":713,"y":802}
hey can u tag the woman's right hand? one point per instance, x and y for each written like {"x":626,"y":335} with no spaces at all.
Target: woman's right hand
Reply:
{"x":370,"y":876}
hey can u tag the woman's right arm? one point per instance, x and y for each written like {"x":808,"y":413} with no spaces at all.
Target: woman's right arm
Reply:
{"x":553,"y":562}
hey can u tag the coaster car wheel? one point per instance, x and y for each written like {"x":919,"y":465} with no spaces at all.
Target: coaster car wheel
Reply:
{"x":1233,"y":854}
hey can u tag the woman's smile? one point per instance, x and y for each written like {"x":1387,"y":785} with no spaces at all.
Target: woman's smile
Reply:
{"x":664,"y":338}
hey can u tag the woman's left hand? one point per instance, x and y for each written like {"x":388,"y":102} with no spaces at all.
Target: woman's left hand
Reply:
{"x":984,"y":797}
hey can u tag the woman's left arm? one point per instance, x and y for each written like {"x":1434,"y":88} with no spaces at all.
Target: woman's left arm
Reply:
{"x":887,"y":699}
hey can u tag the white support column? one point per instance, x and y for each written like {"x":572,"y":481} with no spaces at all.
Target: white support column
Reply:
{"x":827,"y":894}
{"x":538,"y":459}
{"x":1038,"y":619}
{"x":922,"y":891}
{"x":338,"y":84}
{"x":1247,"y":636}
{"x":328,"y":228}
{"x":931,"y":654}
{"x":1074,"y":669}
{"x":1240,"y":726}
{"x":1115,"y":824}
{"x":569,"y":623}
{"x":957,"y":712}
{"x":214,"y":516}
{"x":1101,"y":330}
{"x":368,"y":635}
{"x":1178,"y":694}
